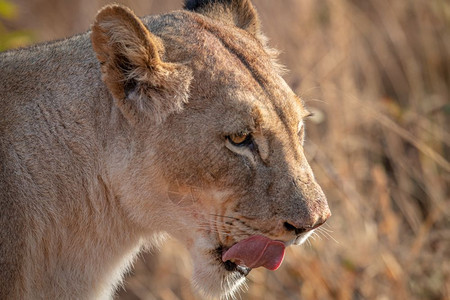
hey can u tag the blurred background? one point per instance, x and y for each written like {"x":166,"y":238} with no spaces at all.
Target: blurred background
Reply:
{"x":376,"y":73}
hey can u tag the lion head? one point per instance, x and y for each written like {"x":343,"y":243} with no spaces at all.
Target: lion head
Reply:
{"x":215,"y":148}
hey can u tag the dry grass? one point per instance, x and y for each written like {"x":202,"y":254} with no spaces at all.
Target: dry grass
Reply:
{"x":377,"y":74}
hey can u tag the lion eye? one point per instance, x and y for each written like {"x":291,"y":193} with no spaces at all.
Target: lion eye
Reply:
{"x":241,"y":139}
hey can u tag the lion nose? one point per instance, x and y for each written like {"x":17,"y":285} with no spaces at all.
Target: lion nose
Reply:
{"x":298,"y":228}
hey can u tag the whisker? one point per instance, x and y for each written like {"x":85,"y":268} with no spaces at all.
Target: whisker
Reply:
{"x":325,"y":229}
{"x":222,"y":216}
{"x":222,"y":231}
{"x":317,"y":234}
{"x":326,"y":233}
{"x":320,"y":232}
{"x":327,"y":225}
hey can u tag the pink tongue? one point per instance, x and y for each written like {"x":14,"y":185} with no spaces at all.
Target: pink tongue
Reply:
{"x":256,"y":251}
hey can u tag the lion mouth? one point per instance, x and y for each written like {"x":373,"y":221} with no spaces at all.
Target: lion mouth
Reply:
{"x":233,"y":267}
{"x":253,"y":252}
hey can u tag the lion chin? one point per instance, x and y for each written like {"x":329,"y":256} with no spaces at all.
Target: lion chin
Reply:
{"x":212,"y":277}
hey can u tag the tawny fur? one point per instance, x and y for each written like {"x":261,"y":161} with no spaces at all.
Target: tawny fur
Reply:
{"x":114,"y":138}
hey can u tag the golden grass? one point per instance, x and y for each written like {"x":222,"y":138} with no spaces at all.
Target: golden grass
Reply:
{"x":377,"y":74}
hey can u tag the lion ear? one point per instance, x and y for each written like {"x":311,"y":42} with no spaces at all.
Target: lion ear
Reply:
{"x":240,"y":13}
{"x":143,"y":86}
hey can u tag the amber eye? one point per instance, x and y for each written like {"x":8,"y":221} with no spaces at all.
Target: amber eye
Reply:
{"x":241,"y":139}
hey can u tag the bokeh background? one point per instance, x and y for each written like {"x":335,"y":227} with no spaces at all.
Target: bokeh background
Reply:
{"x":376,"y":73}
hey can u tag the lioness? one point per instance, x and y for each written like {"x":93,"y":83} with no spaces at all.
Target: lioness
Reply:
{"x":178,"y":123}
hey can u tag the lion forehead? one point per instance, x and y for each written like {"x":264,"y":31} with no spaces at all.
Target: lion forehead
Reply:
{"x":210,"y":45}
{"x":229,"y":64}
